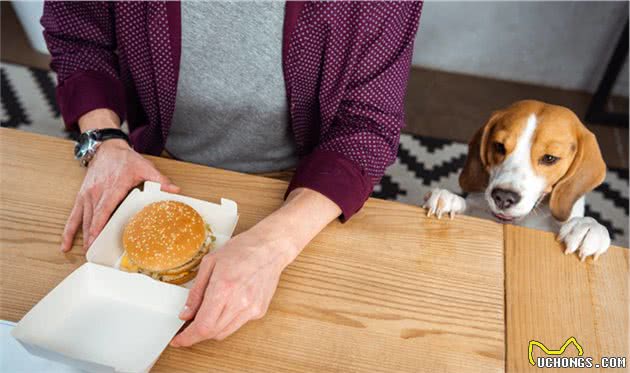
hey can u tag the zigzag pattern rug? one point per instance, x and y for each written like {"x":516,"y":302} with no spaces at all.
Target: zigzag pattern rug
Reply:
{"x":423,"y":163}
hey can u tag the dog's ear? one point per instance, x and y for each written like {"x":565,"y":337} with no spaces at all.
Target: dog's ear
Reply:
{"x":587,"y":171}
{"x":474,"y":176}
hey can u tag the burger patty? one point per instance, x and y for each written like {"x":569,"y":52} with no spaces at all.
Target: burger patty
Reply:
{"x":190,"y":265}
{"x":205,"y":248}
{"x":184,"y":269}
{"x":171,"y":278}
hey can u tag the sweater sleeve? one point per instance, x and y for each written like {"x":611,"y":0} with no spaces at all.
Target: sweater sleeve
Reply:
{"x":81,"y":39}
{"x":362,"y":140}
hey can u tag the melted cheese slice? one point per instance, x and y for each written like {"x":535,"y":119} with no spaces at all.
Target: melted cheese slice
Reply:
{"x":125,"y":264}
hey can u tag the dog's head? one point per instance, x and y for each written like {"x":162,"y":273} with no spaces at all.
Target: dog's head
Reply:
{"x":528,"y":150}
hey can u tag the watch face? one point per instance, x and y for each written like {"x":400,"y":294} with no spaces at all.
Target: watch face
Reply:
{"x":86,"y":143}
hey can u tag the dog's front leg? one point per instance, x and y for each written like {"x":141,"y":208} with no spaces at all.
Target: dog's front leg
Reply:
{"x":586,"y":235}
{"x":441,"y":201}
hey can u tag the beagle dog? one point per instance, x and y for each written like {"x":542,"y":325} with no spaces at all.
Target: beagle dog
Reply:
{"x":531,"y":164}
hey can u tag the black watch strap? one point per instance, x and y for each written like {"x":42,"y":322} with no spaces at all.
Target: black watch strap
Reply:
{"x":111,"y":133}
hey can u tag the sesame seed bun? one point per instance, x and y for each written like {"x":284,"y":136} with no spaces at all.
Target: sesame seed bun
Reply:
{"x":163,"y":236}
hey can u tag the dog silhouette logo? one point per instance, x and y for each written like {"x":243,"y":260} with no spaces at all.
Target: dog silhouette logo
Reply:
{"x":560,"y":351}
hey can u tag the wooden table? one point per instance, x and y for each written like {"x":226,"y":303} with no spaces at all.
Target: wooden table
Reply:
{"x":390,"y":290}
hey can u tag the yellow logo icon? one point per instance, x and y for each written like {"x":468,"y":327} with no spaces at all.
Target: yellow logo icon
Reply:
{"x":553,"y":352}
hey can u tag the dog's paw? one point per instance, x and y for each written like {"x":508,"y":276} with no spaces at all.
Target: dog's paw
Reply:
{"x":441,"y":201}
{"x":586,"y":236}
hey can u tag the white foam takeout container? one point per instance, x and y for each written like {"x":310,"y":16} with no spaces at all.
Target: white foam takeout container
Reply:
{"x":101,"y":319}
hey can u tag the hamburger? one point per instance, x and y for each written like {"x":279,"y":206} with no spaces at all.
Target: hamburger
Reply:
{"x":166,"y":240}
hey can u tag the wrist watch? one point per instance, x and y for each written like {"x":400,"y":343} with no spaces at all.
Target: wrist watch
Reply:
{"x":89,"y":141}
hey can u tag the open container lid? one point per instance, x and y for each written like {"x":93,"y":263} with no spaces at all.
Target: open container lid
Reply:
{"x":101,"y":319}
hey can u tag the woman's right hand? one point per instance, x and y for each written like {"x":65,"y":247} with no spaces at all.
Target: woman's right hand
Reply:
{"x":115,"y":169}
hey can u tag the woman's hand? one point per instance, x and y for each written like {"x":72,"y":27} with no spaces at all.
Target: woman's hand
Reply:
{"x":235,"y":283}
{"x":115,"y":169}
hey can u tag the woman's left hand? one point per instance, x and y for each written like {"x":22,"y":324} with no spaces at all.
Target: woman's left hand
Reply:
{"x":234,"y":284}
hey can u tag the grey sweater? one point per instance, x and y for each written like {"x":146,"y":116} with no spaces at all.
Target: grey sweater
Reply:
{"x":231,"y":109}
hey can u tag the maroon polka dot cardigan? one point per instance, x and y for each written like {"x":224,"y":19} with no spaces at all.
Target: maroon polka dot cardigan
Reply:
{"x":345,"y":64}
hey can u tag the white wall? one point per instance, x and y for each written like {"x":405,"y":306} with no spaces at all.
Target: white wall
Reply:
{"x":29,"y":13}
{"x":559,"y":44}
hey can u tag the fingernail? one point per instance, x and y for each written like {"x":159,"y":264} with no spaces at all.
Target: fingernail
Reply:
{"x":174,"y":344}
{"x":184,"y":312}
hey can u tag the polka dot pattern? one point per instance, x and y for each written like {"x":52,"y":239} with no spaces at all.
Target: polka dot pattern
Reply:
{"x":128,"y":41}
{"x":346,"y":70}
{"x":80,"y":37}
{"x":347,"y":66}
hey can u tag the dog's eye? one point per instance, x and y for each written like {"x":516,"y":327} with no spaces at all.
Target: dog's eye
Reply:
{"x":548,"y":159}
{"x":499,"y":148}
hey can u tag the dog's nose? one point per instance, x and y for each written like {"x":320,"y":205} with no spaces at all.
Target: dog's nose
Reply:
{"x":505,"y":198}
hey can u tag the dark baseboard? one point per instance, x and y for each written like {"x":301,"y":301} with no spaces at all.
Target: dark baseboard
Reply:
{"x":453,"y":106}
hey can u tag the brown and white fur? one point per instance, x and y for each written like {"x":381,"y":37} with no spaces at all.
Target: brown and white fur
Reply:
{"x":531,"y":164}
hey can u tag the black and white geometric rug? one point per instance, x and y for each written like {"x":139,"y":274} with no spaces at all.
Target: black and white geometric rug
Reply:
{"x":423,"y":163}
